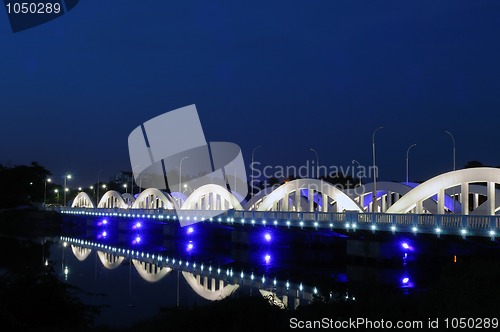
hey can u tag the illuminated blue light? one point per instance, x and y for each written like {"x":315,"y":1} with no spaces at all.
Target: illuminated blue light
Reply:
{"x":137,"y":239}
{"x":315,"y":224}
{"x":190,"y":230}
{"x":393,"y":228}
{"x":189,"y":246}
{"x":288,"y":223}
{"x":275,"y":222}
{"x":104,"y":222}
{"x":414,"y":229}
{"x":374,"y":227}
{"x":347,"y":225}
{"x":405,"y":280}
{"x":463,"y":231}
{"x":267,"y":258}
{"x":104,"y":234}
{"x":267,"y":236}
{"x":405,"y":245}
{"x":438,"y":230}
{"x":301,"y":223}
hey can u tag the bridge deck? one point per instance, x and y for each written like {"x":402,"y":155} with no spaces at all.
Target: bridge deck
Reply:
{"x":451,"y":224}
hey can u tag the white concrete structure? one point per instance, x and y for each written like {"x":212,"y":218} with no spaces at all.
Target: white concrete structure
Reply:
{"x":333,"y":199}
{"x":439,"y":184}
{"x":81,"y":253}
{"x":211,"y":197}
{"x":153,"y":198}
{"x":150,"y":272}
{"x":214,"y":292}
{"x":112,"y":199}
{"x":110,"y":261}
{"x":82,"y":200}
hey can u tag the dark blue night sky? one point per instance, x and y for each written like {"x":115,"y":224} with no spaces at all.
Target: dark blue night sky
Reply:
{"x":287,"y":75}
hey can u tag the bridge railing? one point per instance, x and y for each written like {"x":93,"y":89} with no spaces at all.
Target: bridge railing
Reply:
{"x":366,"y":220}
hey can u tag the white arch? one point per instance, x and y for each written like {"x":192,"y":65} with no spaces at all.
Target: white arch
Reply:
{"x":153,"y":198}
{"x":329,"y":191}
{"x":83,"y":200}
{"x":110,"y":261}
{"x":202,"y":289}
{"x":112,"y":199}
{"x":80,"y":253}
{"x":440,"y":183}
{"x":211,"y":197}
{"x":387,"y":194}
{"x":149,"y":271}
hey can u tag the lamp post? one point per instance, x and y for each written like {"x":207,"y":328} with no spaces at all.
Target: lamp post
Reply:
{"x":407,"y":158}
{"x":56,"y":191}
{"x":374,"y":194}
{"x":251,"y":165}
{"x":180,"y":173}
{"x":453,"y":189}
{"x":126,"y":188}
{"x":66,"y":177}
{"x":97,"y":187}
{"x":317,"y":162}
{"x":359,"y":165}
{"x":45,"y":190}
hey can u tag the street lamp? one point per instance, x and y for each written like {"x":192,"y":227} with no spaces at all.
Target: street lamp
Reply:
{"x":126,"y":189}
{"x":45,"y":190}
{"x":66,"y":177}
{"x":359,"y":165}
{"x":453,"y":189}
{"x":56,"y":191}
{"x":453,"y":139}
{"x":180,"y":173}
{"x":317,"y":162}
{"x":407,"y":157}
{"x":374,"y":194}
{"x":251,"y":165}
{"x":97,"y":187}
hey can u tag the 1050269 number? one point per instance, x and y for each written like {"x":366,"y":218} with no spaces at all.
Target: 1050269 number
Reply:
{"x":471,"y":323}
{"x":33,"y":8}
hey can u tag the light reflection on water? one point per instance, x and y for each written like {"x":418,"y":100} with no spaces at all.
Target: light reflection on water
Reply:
{"x":134,"y":269}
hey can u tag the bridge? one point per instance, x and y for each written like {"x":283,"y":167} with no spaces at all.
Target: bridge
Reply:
{"x":212,"y":283}
{"x":463,"y":203}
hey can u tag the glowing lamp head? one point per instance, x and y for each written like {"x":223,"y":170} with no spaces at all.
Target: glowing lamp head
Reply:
{"x":190,"y":230}
{"x":104,"y":234}
{"x":405,"y":245}
{"x":267,"y":258}
{"x":267,"y":236}
{"x":104,"y":222}
{"x":189,"y":246}
{"x":138,"y":225}
{"x":137,"y":239}
{"x":405,"y":280}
